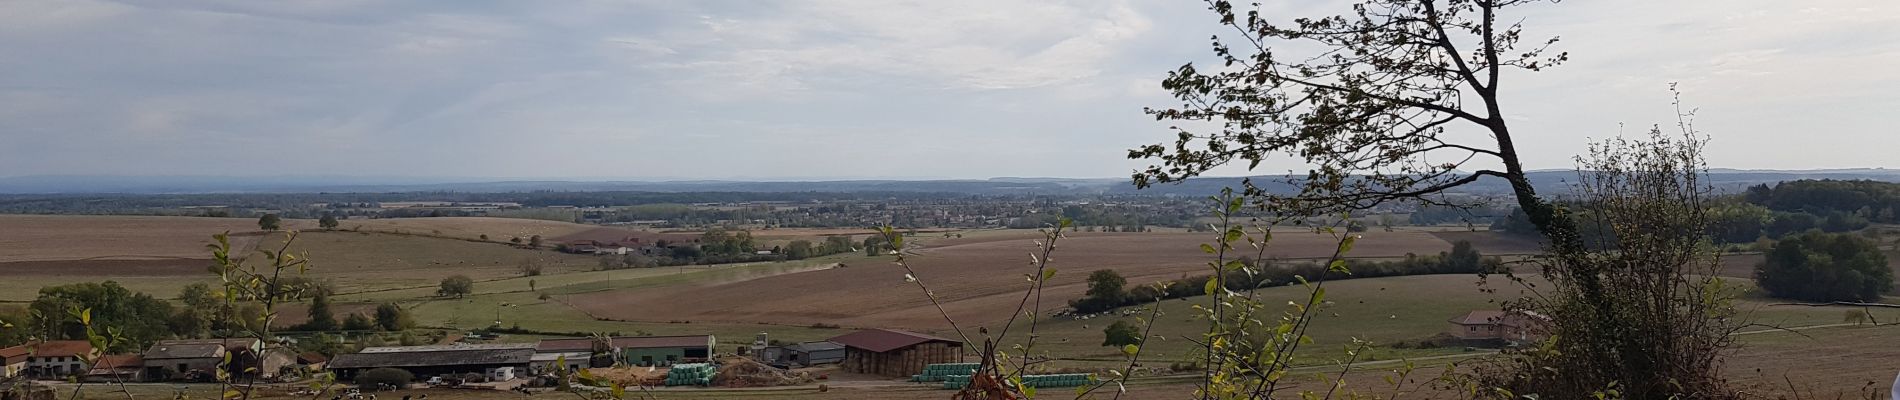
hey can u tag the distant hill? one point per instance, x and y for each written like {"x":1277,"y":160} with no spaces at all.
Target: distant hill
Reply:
{"x":1546,"y":181}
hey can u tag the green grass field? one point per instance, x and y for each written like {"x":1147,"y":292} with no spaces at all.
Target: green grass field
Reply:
{"x":1383,"y":311}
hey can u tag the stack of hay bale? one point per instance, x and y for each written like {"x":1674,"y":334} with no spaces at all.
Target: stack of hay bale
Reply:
{"x":699,"y":374}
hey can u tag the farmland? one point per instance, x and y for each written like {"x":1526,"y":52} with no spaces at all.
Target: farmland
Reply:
{"x":978,"y":274}
{"x":978,"y":278}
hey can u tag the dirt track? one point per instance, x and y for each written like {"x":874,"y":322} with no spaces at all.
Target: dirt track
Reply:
{"x":979,"y":279}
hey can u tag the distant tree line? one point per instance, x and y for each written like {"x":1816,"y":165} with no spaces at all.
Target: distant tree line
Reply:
{"x":1107,"y":288}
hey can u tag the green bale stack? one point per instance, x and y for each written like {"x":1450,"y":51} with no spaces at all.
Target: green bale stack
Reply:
{"x":699,"y":374}
{"x":955,"y":382}
{"x":1058,"y":380}
{"x":938,"y":372}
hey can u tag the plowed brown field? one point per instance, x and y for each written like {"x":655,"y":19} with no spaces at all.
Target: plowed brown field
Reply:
{"x":978,"y":279}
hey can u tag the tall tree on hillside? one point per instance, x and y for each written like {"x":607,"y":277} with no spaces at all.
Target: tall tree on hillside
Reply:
{"x":329,"y":222}
{"x":1365,"y":97}
{"x":391,"y":317}
{"x":321,"y":318}
{"x":456,"y":286}
{"x":269,"y":222}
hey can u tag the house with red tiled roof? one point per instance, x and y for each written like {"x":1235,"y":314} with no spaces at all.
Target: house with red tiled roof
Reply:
{"x":891,"y":352}
{"x":58,"y":358}
{"x":13,"y":360}
{"x":1511,"y":326}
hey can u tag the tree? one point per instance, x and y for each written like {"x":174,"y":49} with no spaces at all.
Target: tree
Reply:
{"x":534,"y":241}
{"x":357,"y":322}
{"x":138,"y":317}
{"x":391,"y":317}
{"x":321,"y":319}
{"x":456,"y":286}
{"x":1463,"y":257}
{"x":1105,"y":292}
{"x":328,"y":221}
{"x":269,"y":222}
{"x":1121,"y":333}
{"x":1816,"y":266}
{"x":1367,"y":97}
{"x":533,"y":266}
{"x":798,"y":250}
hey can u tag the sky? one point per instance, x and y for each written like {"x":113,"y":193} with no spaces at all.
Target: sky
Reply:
{"x":596,"y":89}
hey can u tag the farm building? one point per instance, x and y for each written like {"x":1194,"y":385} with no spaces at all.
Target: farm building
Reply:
{"x":663,"y":350}
{"x":177,"y":358}
{"x":58,"y":358}
{"x":577,"y":353}
{"x":117,"y":368}
{"x":427,"y":361}
{"x":804,"y":354}
{"x":1498,"y":325}
{"x":13,"y":360}
{"x":895,"y":353}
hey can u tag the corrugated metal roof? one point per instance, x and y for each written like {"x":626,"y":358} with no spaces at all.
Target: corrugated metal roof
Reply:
{"x":815,"y":346}
{"x":432,"y":358}
{"x":110,"y":362}
{"x":447,"y":347}
{"x":560,"y":345}
{"x":162,"y":350}
{"x":648,"y":342}
{"x":1479,"y":317}
{"x":882,"y":340}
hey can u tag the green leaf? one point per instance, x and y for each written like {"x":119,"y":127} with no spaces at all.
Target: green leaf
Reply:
{"x":1048,"y":273}
{"x":1345,"y":245}
{"x":1130,"y":349}
{"x":1212,"y":284}
{"x":1029,"y":391}
{"x":1207,"y":248}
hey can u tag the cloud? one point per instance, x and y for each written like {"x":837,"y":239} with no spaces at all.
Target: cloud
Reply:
{"x":843,"y":88}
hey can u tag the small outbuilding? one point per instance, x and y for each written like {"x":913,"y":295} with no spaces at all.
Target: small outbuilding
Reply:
{"x":1494,"y":325}
{"x":804,"y":354}
{"x":117,"y":368}
{"x":664,"y":350}
{"x":894,"y":353}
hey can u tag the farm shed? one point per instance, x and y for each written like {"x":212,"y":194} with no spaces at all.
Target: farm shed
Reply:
{"x":434,"y":362}
{"x":663,"y":350}
{"x":117,"y":368}
{"x":895,"y":353}
{"x":13,"y":360}
{"x":804,"y":354}
{"x":1498,"y":325}
{"x":174,"y":358}
{"x":578,"y":353}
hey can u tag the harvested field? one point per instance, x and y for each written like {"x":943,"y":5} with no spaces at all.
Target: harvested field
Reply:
{"x":979,"y":278}
{"x":1493,"y":243}
{"x":76,"y":237}
{"x":107,"y":267}
{"x":497,"y":229}
{"x":359,"y":261}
